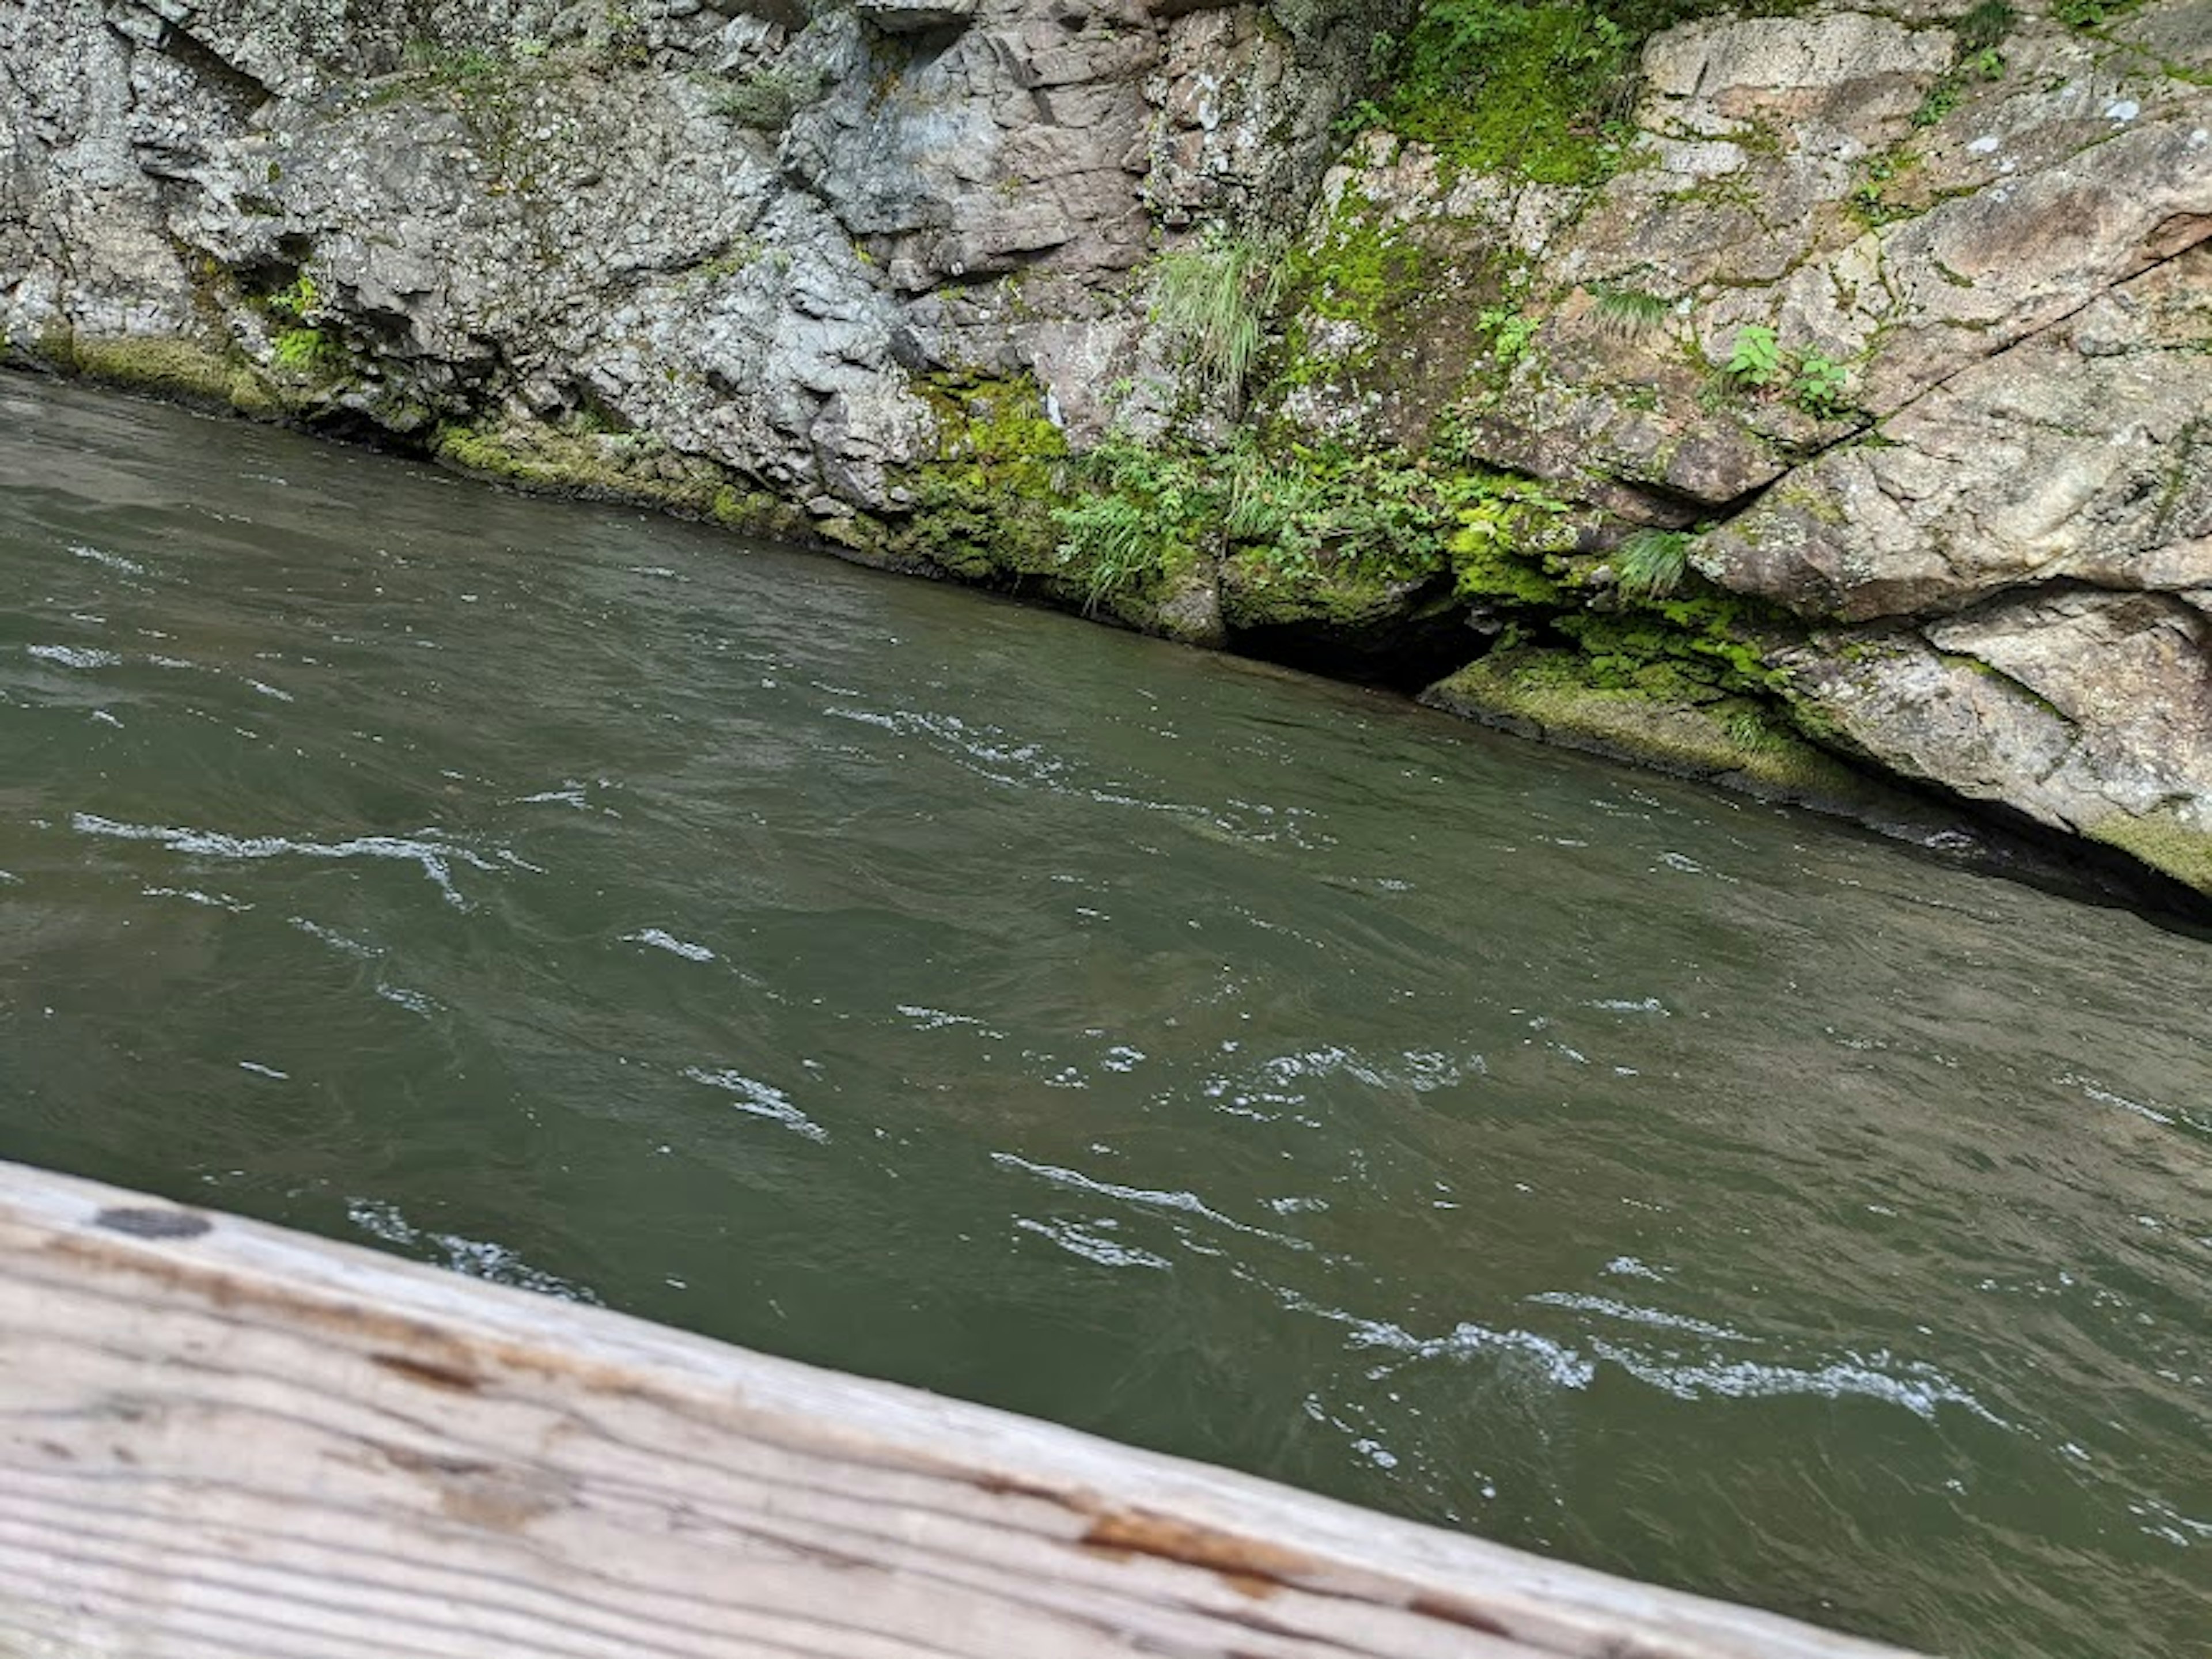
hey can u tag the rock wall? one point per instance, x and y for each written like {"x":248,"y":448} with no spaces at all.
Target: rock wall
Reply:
{"x":739,"y":230}
{"x":1968,"y":501}
{"x":1840,"y":403}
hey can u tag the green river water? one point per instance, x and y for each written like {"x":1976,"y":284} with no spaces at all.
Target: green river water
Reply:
{"x":1220,"y":1060}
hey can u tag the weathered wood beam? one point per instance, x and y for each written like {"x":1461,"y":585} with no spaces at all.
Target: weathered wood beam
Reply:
{"x":221,"y":1440}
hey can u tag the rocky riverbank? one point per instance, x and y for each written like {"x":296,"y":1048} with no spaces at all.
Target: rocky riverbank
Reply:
{"x":1793,"y":399}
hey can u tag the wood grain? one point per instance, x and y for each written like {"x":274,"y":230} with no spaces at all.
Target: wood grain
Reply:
{"x":220,"y":1440}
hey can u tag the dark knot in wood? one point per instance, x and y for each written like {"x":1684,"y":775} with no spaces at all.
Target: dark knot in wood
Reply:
{"x":150,"y":1222}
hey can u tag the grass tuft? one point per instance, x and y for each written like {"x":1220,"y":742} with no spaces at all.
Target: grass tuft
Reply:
{"x":1213,"y":299}
{"x":1649,"y":564}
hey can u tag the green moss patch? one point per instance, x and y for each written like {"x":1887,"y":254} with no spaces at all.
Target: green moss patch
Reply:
{"x":1658,"y":719}
{"x":180,"y":368}
{"x":1541,"y":91}
{"x":2162,"y":842}
{"x":982,"y":505}
{"x":595,"y":465}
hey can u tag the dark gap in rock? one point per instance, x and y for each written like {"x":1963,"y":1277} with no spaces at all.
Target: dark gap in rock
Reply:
{"x":2010,"y":844}
{"x":1406,"y":657}
{"x":242,"y":91}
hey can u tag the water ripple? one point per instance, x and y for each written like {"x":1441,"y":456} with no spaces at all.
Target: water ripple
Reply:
{"x":435,"y":857}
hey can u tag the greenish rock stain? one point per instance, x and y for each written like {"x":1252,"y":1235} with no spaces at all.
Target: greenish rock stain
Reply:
{"x":1660,"y":716}
{"x":187,"y":370}
{"x":2160,"y":839}
{"x":602,"y":466}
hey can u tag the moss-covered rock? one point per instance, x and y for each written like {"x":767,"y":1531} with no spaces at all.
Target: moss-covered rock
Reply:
{"x":184,"y":369}
{"x":1664,"y":720}
{"x":616,"y":466}
{"x":2164,"y":842}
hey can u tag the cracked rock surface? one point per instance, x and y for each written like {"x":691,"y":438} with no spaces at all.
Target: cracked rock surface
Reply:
{"x":1998,"y":538}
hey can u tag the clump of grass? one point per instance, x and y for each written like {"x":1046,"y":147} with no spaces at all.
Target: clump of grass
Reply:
{"x":1626,"y":312}
{"x":426,"y":57}
{"x":1985,"y":26}
{"x":1213,"y":299}
{"x":1113,"y":538}
{"x":1649,"y":564}
{"x":1750,"y":732}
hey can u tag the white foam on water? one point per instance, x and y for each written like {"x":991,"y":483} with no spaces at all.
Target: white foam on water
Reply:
{"x":73,"y":656}
{"x":1086,"y":1241}
{"x":339,"y":941}
{"x":214,"y":901}
{"x":479,"y":1258}
{"x":1630,"y":1313}
{"x":760,"y":1099}
{"x":1188,"y":1203}
{"x":112,"y":560}
{"x":437,"y":858}
{"x":661,"y":940}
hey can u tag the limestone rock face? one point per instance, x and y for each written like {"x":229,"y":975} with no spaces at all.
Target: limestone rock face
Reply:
{"x":1980,"y":473}
{"x":744,"y":231}
{"x":2088,"y":711}
{"x":2080,"y":454}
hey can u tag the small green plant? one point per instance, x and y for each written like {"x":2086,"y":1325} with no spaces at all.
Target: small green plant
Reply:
{"x":1510,"y":328}
{"x":623,"y":40}
{"x":1755,"y":359}
{"x":1751,"y":732}
{"x":307,"y":351}
{"x":1361,"y":117}
{"x":295,"y":300}
{"x":1113,"y":538}
{"x":740,"y":252}
{"x":1819,"y":384}
{"x":1980,"y":34}
{"x":2092,"y":13}
{"x":1985,"y":26}
{"x":1212,"y":299}
{"x":1627,"y":313}
{"x":1649,"y":564}
{"x":448,"y":64}
{"x":1942,"y":98}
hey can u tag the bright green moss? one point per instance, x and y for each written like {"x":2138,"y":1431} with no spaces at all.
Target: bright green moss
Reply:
{"x":2162,"y":842}
{"x":1657,"y":719}
{"x":595,"y":465}
{"x":1541,"y":91}
{"x":990,"y":418}
{"x":982,"y":505}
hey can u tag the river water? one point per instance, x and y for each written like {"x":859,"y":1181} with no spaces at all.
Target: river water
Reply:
{"x":1214,"y":1058}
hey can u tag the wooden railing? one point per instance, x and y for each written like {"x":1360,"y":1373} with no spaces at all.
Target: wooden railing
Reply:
{"x":223,"y":1440}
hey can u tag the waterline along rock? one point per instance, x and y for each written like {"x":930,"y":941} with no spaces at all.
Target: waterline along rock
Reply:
{"x":1796,"y":400}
